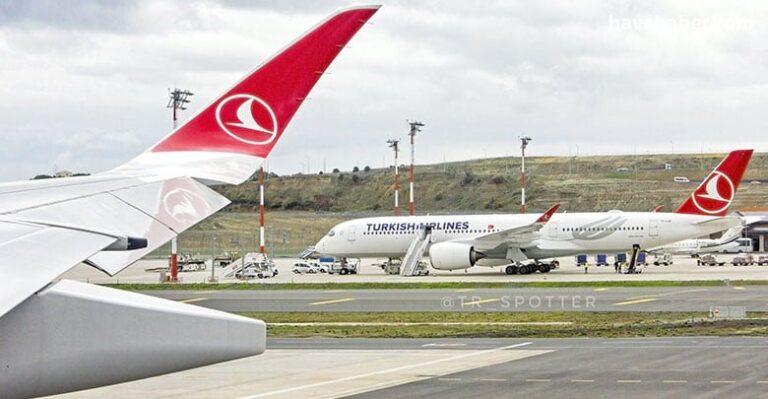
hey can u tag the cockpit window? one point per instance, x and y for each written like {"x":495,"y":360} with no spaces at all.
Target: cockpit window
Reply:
{"x":331,"y":233}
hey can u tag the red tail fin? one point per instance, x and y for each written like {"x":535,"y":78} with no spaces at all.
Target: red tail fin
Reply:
{"x":250,"y":117}
{"x":715,"y":194}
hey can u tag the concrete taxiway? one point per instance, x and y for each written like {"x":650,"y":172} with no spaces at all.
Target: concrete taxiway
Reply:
{"x":684,"y":268}
{"x":665,"y":299}
{"x":460,"y":368}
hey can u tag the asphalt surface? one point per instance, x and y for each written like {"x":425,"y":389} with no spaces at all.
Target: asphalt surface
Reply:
{"x":593,"y":368}
{"x":754,"y":298}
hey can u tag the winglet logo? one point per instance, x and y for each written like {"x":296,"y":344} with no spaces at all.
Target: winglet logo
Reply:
{"x":185,"y":205}
{"x":247,"y":118}
{"x":717,"y":194}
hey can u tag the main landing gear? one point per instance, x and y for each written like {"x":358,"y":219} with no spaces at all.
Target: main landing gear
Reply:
{"x":528,"y":268}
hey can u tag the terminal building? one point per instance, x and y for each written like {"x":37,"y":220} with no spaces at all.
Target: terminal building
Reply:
{"x":757,"y":230}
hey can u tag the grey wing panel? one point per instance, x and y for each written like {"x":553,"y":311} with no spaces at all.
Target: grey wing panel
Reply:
{"x":32,"y":256}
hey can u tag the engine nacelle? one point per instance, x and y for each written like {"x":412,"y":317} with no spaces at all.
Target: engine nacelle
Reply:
{"x":453,"y":255}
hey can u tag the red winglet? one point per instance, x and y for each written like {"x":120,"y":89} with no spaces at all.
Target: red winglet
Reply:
{"x":715,"y":194}
{"x":250,"y":117}
{"x":544,"y":218}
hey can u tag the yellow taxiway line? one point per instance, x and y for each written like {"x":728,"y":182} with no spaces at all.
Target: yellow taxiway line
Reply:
{"x":193,"y":300}
{"x":340,"y":300}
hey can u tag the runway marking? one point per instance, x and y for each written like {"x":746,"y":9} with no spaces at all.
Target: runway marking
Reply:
{"x":675,"y":381}
{"x":628,"y":381}
{"x":537,"y":380}
{"x":667,"y":293}
{"x":481,"y":301}
{"x":491,"y":379}
{"x":340,"y":300}
{"x":449,"y":379}
{"x":465,"y":290}
{"x":633,"y":302}
{"x":601,"y":289}
{"x":580,"y":381}
{"x":193,"y":300}
{"x":738,"y":288}
{"x":441,"y":345}
{"x":722,"y":382}
{"x":762,"y":382}
{"x":391,"y":370}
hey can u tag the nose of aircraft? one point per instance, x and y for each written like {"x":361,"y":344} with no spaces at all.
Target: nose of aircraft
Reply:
{"x":320,"y":246}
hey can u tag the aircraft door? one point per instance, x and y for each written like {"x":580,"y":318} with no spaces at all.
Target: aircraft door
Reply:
{"x":351,"y":234}
{"x":653,"y":228}
{"x":552,"y":233}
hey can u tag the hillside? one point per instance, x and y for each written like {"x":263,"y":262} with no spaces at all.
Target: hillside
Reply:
{"x":583,"y":184}
{"x":302,"y":208}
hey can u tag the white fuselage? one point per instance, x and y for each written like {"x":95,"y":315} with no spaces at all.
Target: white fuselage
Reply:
{"x":565,"y":234}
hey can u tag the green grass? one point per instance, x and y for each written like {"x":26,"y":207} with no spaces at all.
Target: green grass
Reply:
{"x":448,"y":285}
{"x":584,"y":324}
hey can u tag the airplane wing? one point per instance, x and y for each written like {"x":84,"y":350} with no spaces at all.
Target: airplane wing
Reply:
{"x":520,"y":236}
{"x":109,"y":220}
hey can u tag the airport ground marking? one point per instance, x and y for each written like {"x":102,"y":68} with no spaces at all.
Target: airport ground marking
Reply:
{"x":448,"y":379}
{"x":537,"y":380}
{"x":332,"y":301}
{"x":663,"y":294}
{"x":390,"y":370}
{"x":601,"y":289}
{"x":629,"y":381}
{"x":634,"y":302}
{"x":582,"y":381}
{"x":193,"y":300}
{"x":465,"y":290}
{"x":675,"y":381}
{"x":722,"y":382}
{"x":762,"y":382}
{"x":738,"y":288}
{"x":480,"y":302}
{"x":491,"y":379}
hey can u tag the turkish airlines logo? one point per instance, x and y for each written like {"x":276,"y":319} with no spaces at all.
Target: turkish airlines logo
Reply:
{"x":247,"y":118}
{"x":717,"y":196}
{"x":185,"y":206}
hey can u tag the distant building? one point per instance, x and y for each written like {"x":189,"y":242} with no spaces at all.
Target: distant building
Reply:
{"x":758,"y":230}
{"x":667,"y":166}
{"x":63,"y":173}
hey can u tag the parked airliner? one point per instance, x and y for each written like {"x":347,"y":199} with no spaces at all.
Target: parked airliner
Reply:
{"x":463,"y":241}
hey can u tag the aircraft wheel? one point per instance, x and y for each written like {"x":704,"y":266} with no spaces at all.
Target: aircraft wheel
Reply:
{"x":524,"y":269}
{"x":544,"y":268}
{"x":511,"y":269}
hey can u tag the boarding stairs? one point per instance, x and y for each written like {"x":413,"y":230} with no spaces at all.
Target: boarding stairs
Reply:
{"x":308,"y":252}
{"x":415,"y":252}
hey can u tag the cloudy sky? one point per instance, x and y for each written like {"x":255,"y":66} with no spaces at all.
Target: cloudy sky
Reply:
{"x":83,"y":85}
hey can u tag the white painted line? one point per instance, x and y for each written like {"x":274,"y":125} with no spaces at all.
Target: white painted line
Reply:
{"x":480,"y":302}
{"x":340,"y":300}
{"x":492,"y":379}
{"x":578,"y":381}
{"x":448,"y":379}
{"x":628,"y":381}
{"x":722,"y":382}
{"x":193,"y":300}
{"x":675,"y":381}
{"x":537,"y":380}
{"x":391,"y":370}
{"x":442,"y":345}
{"x":635,"y":301}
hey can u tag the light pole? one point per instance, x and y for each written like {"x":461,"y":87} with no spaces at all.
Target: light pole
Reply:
{"x":524,"y":140}
{"x":395,"y":145}
{"x":178,"y":100}
{"x":415,"y":128}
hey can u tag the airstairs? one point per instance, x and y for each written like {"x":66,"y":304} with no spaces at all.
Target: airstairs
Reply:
{"x":415,"y":253}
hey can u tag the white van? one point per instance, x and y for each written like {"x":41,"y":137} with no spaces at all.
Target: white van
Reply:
{"x":681,"y":179}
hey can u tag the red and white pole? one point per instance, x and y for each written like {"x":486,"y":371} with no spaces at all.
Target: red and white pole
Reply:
{"x":261,"y":211}
{"x":411,"y":203}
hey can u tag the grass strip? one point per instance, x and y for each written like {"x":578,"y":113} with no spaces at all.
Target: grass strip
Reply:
{"x":511,"y":324}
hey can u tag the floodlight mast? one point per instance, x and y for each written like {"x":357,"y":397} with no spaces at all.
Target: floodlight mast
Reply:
{"x":395,"y":146}
{"x":177,"y":101}
{"x":524,"y":140}
{"x":415,"y":128}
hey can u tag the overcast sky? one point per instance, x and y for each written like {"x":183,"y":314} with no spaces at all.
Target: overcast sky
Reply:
{"x":83,"y":85}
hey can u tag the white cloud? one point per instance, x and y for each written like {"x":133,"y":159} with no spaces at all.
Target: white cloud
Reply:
{"x":84,"y":84}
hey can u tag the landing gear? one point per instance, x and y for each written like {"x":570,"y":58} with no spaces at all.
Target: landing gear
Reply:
{"x":536,"y":266}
